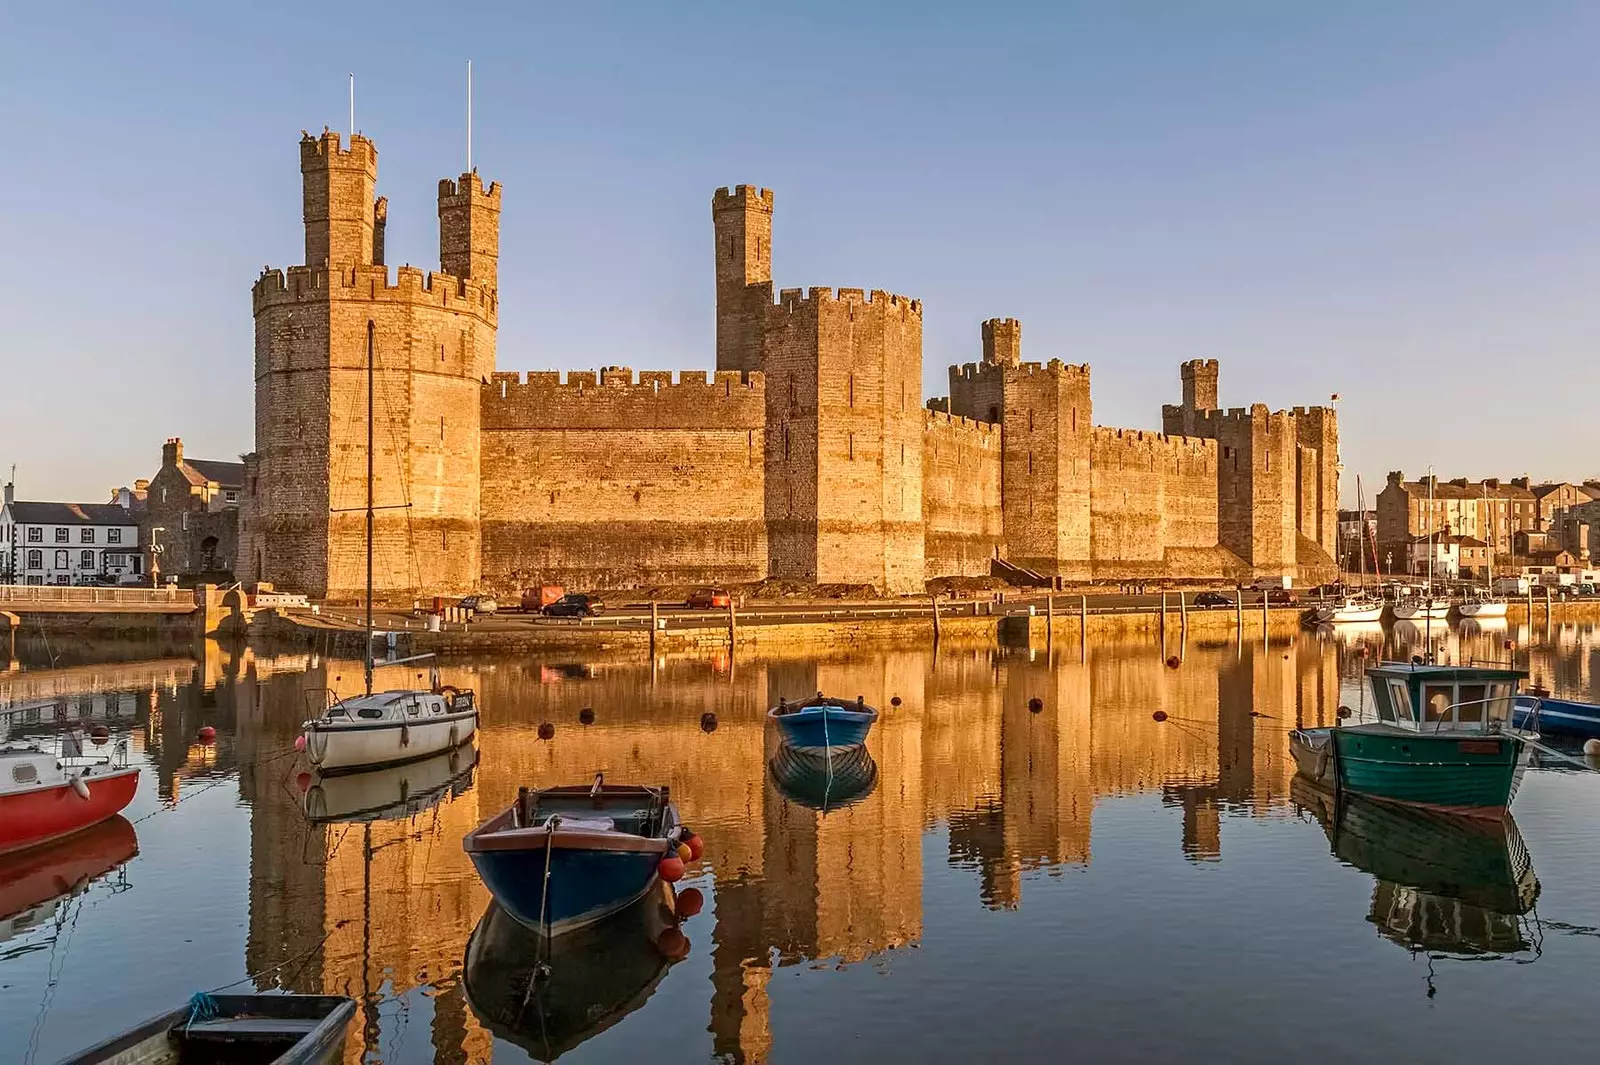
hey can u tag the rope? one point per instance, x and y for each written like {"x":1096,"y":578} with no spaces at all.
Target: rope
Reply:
{"x":202,"y":1007}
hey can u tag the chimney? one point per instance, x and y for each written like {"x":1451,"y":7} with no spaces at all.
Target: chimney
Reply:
{"x":1491,"y":483}
{"x":171,"y":452}
{"x":10,"y":494}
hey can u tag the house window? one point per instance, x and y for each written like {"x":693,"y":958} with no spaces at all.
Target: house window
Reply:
{"x":62,"y":578}
{"x":35,"y":580}
{"x":230,"y":496}
{"x":36,"y":560}
{"x":86,"y":560}
{"x":113,"y":536}
{"x":63,"y":535}
{"x":35,"y":535}
{"x":86,"y":536}
{"x":61,"y":560}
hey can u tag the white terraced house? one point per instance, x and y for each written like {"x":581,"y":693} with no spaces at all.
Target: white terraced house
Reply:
{"x":68,"y":543}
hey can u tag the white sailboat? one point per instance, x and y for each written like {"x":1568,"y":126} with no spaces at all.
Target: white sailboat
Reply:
{"x":1361,"y":606}
{"x":1487,"y":605}
{"x":390,"y":727}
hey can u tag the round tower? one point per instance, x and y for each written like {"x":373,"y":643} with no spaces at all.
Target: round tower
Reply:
{"x":430,"y":339}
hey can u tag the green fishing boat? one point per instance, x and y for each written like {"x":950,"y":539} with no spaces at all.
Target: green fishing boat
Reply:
{"x":1442,"y":740}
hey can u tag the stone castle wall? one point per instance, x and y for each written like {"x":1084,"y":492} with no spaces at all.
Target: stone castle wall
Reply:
{"x":962,"y":519}
{"x":610,"y":480}
{"x":1149,"y":493}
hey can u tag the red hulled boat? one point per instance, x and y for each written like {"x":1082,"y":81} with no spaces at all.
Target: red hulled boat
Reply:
{"x":44,"y":797}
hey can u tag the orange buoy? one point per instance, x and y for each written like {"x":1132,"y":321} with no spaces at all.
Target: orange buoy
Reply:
{"x":1173,"y":661}
{"x":696,"y":845}
{"x":684,"y":853}
{"x":300,"y":742}
{"x":1035,"y":705}
{"x":1159,"y":715}
{"x":303,"y":781}
{"x":895,"y":701}
{"x":671,"y":869}
{"x":708,"y":722}
{"x":672,"y":943}
{"x":586,"y":716}
{"x":207,"y":735}
{"x":690,"y":902}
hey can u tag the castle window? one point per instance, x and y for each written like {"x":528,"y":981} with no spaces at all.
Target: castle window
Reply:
{"x":441,"y":427}
{"x":552,"y":499}
{"x":1030,"y":464}
{"x":441,"y":352}
{"x":444,"y":539}
{"x":636,"y":497}
{"x":1030,"y":419}
{"x":786,"y":441}
{"x":1074,"y":419}
{"x":852,"y":383}
{"x":852,"y":446}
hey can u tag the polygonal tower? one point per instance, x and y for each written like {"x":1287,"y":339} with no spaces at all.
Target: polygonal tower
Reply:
{"x":431,"y":339}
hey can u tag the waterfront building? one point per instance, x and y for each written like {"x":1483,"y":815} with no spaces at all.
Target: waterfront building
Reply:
{"x":67,"y":543}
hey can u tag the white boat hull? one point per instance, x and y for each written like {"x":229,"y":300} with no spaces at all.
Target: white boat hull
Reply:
{"x":1437,"y":609}
{"x":359,"y":745}
{"x":1480,"y":610}
{"x":1350,"y":612}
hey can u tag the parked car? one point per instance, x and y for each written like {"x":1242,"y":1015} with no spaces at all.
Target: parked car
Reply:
{"x":709,"y":599}
{"x":1212,"y":599}
{"x":575,"y":605}
{"x":481,"y":604}
{"x":1282,"y":597}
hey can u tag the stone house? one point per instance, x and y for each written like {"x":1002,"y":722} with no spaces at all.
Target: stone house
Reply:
{"x":191,"y":512}
{"x":1490,"y":510}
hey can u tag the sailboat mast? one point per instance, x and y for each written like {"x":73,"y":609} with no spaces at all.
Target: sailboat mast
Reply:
{"x":1427,"y":606}
{"x":371,"y":377}
{"x":1361,"y":533}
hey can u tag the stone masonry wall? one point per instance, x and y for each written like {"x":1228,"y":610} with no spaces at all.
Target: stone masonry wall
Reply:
{"x":610,"y":481}
{"x":961,"y":511}
{"x":1150,"y":493}
{"x":1047,"y":422}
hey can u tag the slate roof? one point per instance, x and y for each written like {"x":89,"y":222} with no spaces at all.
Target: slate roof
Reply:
{"x":28,"y":513}
{"x":226,"y":474}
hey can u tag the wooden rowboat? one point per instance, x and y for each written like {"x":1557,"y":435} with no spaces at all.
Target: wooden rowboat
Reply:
{"x":258,"y":1029}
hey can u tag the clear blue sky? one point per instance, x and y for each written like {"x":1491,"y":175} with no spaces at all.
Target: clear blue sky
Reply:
{"x":1396,"y":202}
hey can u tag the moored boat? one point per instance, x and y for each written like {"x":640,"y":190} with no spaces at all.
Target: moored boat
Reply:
{"x":1483,"y":608}
{"x":1422,"y":608}
{"x":275,"y":1029}
{"x":1537,"y":711}
{"x":1443,"y":740}
{"x":561,"y":858}
{"x":389,"y":728}
{"x":550,"y":1003}
{"x":1349,"y":610}
{"x":824,"y":780}
{"x":821,"y":722}
{"x":45,"y":796}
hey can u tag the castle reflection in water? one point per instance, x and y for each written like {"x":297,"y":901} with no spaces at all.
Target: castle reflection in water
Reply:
{"x":393,"y":902}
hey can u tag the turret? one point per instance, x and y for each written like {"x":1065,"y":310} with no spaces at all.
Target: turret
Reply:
{"x":741,"y":221}
{"x":337,"y":198}
{"x":1199,"y":384}
{"x":1002,"y":342}
{"x":469,"y":229}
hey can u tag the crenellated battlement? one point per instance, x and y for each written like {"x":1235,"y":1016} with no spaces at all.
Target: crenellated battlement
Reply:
{"x":1055,"y":367}
{"x":616,"y":398}
{"x":327,"y":151}
{"x":308,"y":284}
{"x":1201,"y":364}
{"x":1148,"y":441}
{"x":741,"y":197}
{"x":468,"y":189}
{"x":796,"y":301}
{"x":985,"y":431}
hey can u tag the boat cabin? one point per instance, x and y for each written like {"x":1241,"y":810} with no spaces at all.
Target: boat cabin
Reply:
{"x":399,"y":706}
{"x":1428,"y":698}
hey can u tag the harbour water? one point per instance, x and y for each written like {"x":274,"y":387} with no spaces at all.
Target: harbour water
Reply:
{"x":1081,"y":881}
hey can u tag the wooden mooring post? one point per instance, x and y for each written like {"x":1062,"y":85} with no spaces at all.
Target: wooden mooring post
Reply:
{"x":1238,"y":612}
{"x":1163,"y":624}
{"x":935,"y":600}
{"x":1050,"y":622}
{"x":733,"y":625}
{"x":1266,"y":620}
{"x":1183,"y":613}
{"x":655,"y":624}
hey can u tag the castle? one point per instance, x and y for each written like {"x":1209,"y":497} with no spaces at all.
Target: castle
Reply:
{"x":808,"y":454}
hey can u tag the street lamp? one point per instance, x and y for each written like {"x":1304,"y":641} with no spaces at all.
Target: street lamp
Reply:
{"x":155,"y":556}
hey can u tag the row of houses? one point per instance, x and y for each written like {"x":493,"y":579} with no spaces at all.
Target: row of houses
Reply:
{"x":1474,"y":527}
{"x":180,"y":524}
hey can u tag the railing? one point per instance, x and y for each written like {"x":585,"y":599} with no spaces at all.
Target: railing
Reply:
{"x":81,"y":596}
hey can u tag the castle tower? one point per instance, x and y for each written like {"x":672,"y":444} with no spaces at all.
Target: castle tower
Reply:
{"x":1002,"y":342}
{"x":338,"y":198}
{"x":1199,"y":384}
{"x":469,"y":229}
{"x":741,"y":220}
{"x":432,"y":340}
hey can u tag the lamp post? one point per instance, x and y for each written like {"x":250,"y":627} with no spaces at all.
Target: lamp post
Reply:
{"x":155,"y":556}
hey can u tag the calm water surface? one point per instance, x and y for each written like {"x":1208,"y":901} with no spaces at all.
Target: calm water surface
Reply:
{"x":1008,"y":882}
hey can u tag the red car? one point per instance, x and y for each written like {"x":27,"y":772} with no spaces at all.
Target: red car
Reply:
{"x":709,"y":599}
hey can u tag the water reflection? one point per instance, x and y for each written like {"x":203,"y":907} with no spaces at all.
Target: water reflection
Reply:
{"x":1444,"y":884}
{"x":824,"y":782}
{"x":974,"y":805}
{"x":550,"y":996}
{"x":34,"y":884}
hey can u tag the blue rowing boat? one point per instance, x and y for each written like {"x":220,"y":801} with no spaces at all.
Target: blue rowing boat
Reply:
{"x":820,"y":723}
{"x":561,"y":858}
{"x":1537,"y":711}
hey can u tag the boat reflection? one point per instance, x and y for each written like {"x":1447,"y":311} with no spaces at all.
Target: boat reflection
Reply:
{"x":1453,"y":885}
{"x":823,"y":782}
{"x":596,"y":975}
{"x":34,"y":882}
{"x":390,"y":794}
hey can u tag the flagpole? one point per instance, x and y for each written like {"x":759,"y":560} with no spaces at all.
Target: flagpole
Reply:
{"x":352,"y":105}
{"x":469,"y":116}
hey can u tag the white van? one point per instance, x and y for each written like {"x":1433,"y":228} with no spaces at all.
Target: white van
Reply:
{"x":1511,"y":586}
